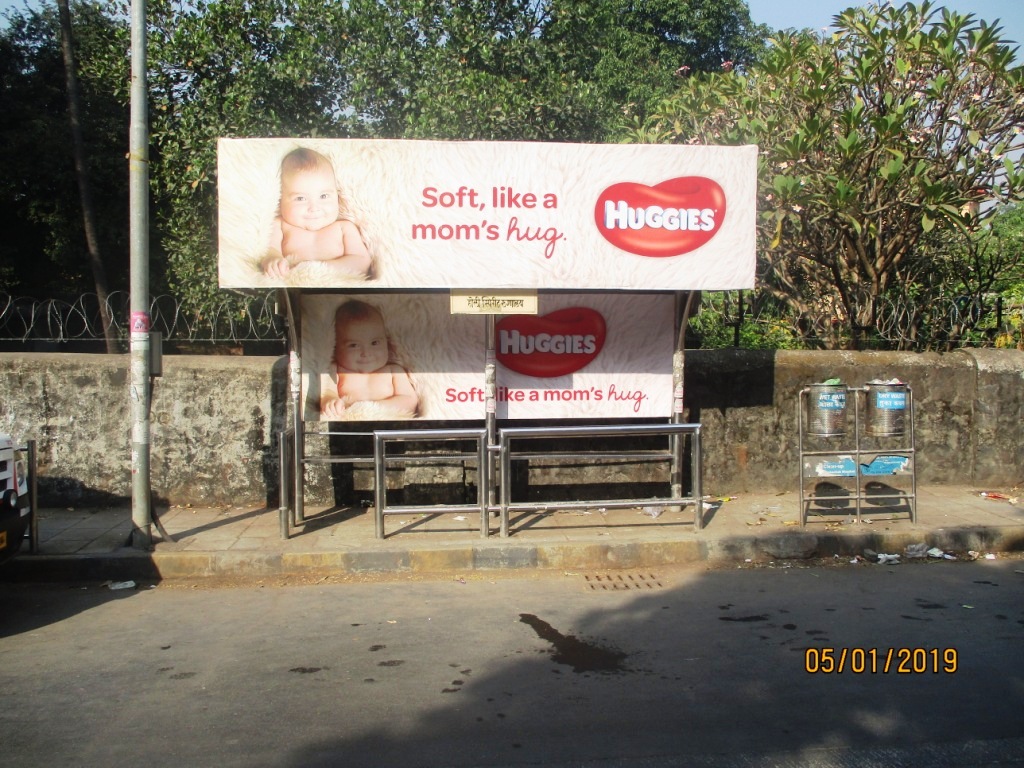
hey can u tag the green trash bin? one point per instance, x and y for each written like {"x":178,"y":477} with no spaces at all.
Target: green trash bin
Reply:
{"x":826,"y":410}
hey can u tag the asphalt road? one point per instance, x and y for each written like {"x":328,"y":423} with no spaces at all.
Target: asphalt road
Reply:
{"x":683,"y":667}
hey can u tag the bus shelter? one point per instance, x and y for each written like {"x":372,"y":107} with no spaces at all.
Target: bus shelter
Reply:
{"x":492,"y":303}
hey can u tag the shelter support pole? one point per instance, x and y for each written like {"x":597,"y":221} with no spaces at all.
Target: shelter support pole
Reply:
{"x":295,"y":409}
{"x":283,"y":459}
{"x":683,"y":310}
{"x":295,"y":397}
{"x":33,"y":497}
{"x":489,"y":473}
{"x":677,"y":418}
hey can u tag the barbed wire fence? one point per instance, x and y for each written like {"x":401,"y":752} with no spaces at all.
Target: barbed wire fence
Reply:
{"x":725,"y":319}
{"x":234,"y":320}
{"x":902,"y":322}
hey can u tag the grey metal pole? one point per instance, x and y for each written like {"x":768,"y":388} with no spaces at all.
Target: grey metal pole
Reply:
{"x":682,"y":313}
{"x":299,"y":444}
{"x":484,"y":487}
{"x":380,"y":489}
{"x":505,"y":459}
{"x":697,"y":470}
{"x":33,"y":498}
{"x":294,"y":409}
{"x":488,"y":474}
{"x":283,"y":457}
{"x":138,"y":186}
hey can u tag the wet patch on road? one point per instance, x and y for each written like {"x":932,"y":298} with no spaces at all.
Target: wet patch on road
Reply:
{"x":573,"y":652}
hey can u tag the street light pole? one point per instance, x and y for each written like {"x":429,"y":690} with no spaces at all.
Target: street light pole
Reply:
{"x":138,"y":186}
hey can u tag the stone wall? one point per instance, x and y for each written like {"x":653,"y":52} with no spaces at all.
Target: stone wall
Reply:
{"x":215,"y":422}
{"x":969,"y":411}
{"x":213,"y":425}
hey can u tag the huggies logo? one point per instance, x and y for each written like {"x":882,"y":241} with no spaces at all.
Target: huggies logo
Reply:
{"x":556,"y":344}
{"x":671,"y":218}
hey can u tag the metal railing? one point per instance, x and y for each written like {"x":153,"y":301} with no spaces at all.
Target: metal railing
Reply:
{"x":293,"y":460}
{"x":506,"y":453}
{"x":381,"y":438}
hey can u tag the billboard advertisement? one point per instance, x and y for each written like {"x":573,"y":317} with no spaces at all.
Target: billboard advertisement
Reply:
{"x":368,"y":357}
{"x":397,"y":214}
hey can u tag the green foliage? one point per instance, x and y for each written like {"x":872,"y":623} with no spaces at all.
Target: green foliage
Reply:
{"x":893,"y":128}
{"x":43,"y":250}
{"x":443,"y":69}
{"x":1004,"y":246}
{"x":472,"y":69}
{"x":528,"y":69}
{"x":467,"y":70}
{"x":634,"y":54}
{"x":877,"y":143}
{"x":725,"y":320}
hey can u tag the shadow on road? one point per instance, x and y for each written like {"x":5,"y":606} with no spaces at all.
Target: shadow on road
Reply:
{"x":713,"y":669}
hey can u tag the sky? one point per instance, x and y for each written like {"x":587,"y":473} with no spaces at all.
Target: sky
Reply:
{"x":817,"y":14}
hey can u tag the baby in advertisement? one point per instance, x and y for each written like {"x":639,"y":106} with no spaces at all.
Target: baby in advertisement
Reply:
{"x":311,"y":223}
{"x":365,"y":367}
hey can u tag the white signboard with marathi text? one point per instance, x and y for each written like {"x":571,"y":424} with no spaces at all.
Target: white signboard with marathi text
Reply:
{"x":392,"y":214}
{"x":520,"y":302}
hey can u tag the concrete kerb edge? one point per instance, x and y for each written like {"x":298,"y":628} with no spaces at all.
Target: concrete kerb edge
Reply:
{"x":797,"y":545}
{"x":807,"y":544}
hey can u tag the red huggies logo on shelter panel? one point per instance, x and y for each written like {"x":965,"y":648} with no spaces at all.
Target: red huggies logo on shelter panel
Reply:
{"x":669,"y":219}
{"x":556,"y":344}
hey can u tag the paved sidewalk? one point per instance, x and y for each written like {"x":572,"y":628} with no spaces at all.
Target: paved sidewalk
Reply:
{"x":246,"y":542}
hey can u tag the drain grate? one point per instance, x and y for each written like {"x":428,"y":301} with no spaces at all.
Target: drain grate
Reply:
{"x":611,"y":582}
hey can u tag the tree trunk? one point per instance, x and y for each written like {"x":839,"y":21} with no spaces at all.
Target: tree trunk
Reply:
{"x":82,"y":173}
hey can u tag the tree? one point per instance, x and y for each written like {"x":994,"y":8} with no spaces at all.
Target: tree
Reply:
{"x":225,"y":68}
{"x":531,"y":69}
{"x":44,"y":251}
{"x":441,"y":69}
{"x":466,"y":70}
{"x":633,"y":53}
{"x":985,"y":270}
{"x":902,"y":123}
{"x":99,"y":272}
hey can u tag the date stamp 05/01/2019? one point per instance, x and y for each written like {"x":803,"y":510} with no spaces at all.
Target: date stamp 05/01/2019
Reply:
{"x":873,"y":661}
